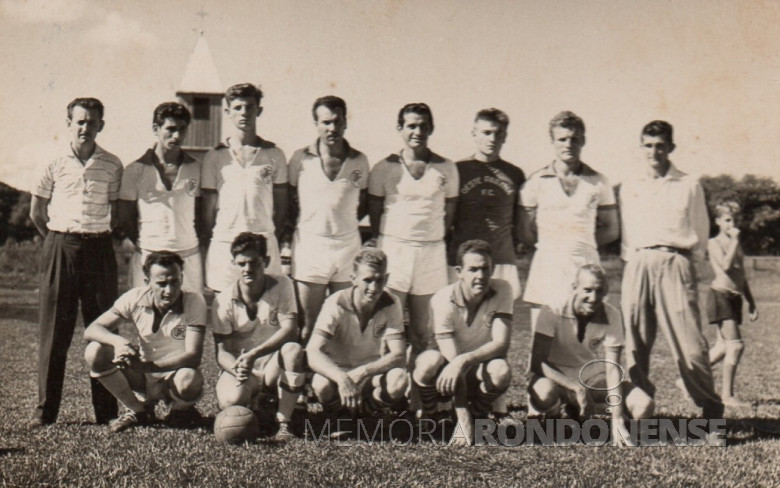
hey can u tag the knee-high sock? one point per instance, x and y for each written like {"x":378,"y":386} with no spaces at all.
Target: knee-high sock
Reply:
{"x":116,"y":383}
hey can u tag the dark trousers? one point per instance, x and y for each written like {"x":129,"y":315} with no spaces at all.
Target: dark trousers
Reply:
{"x":74,"y":269}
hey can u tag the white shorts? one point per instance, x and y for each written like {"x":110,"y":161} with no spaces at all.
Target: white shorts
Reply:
{"x":220,"y":271}
{"x":193,"y":269}
{"x":418,"y":268}
{"x":158,"y":386}
{"x":507,"y":272}
{"x":323,"y":260}
{"x":552,"y":274}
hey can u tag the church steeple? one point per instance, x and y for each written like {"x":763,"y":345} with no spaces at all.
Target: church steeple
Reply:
{"x":201,"y":92}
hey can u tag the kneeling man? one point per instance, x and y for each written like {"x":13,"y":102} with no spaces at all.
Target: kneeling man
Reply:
{"x":163,"y":364}
{"x":255,"y":328}
{"x":357,"y":350}
{"x":575,"y":356}
{"x":471,"y":321}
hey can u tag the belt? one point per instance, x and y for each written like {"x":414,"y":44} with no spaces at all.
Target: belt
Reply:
{"x":85,"y":235}
{"x":671,"y":249}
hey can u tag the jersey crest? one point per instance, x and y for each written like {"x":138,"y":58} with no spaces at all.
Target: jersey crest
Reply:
{"x":191,"y":187}
{"x":179,"y":332}
{"x":273,"y":317}
{"x":355,"y":178}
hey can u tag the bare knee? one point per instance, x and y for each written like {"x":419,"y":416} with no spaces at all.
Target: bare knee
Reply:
{"x":544,"y":394}
{"x":427,"y":367}
{"x":324,"y":388}
{"x":292,"y":356}
{"x":639,"y":404}
{"x":498,"y":375}
{"x":99,"y":356}
{"x":230,"y":392}
{"x":188,"y":383}
{"x":397,"y":381}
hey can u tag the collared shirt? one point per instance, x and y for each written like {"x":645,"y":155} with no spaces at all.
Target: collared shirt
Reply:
{"x":449,"y":315}
{"x":230,"y":316}
{"x":328,"y":208}
{"x":347,"y":345}
{"x":487,"y":202}
{"x":567,"y":353}
{"x":245,"y":191}
{"x":567,"y":223}
{"x":166,"y":217}
{"x":414,"y":208}
{"x":664,"y":211}
{"x":80,"y":195}
{"x":137,"y":306}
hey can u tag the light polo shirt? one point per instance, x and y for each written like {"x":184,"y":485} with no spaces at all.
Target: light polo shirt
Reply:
{"x":413,"y":209}
{"x":664,"y":211}
{"x":567,"y":223}
{"x":79,"y":195}
{"x":230,"y":317}
{"x":137,"y":306}
{"x":347,"y":345}
{"x":166,"y":216}
{"x":567,"y":353}
{"x":245,"y":202}
{"x":449,"y":315}
{"x":328,"y":208}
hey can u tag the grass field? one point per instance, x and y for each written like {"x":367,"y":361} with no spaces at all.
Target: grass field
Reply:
{"x":74,"y":452}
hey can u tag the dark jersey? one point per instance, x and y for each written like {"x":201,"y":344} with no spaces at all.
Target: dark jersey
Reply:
{"x":487,"y":202}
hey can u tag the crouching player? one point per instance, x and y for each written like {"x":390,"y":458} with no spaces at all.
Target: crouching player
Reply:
{"x":255,"y":326}
{"x":471,"y":321}
{"x":169,"y":324}
{"x":357,"y":349}
{"x":575,"y":356}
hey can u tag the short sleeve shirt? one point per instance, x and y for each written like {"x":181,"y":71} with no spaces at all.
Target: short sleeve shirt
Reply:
{"x":449,"y":315}
{"x":137,"y":306}
{"x":230,"y":316}
{"x":487,"y":202}
{"x":328,"y":208}
{"x":347,"y":345}
{"x":413,"y":208}
{"x":80,"y":195}
{"x":166,"y":216}
{"x":245,"y":201}
{"x":567,"y":353}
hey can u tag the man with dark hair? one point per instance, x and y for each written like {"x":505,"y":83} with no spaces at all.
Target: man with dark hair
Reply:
{"x":412,"y":199}
{"x":328,"y":191}
{"x":73,"y":209}
{"x":244,"y":184}
{"x":568,"y":211}
{"x":471,"y":321}
{"x":163,"y":363}
{"x":158,"y":197}
{"x":357,"y":350}
{"x":488,"y":202}
{"x":254,"y":324}
{"x":665,"y":228}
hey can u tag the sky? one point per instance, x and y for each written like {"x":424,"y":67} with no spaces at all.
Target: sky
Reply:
{"x":711,"y":68}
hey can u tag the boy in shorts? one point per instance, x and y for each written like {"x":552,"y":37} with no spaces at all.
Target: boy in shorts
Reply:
{"x":255,"y":328}
{"x":163,"y":365}
{"x":724,"y":299}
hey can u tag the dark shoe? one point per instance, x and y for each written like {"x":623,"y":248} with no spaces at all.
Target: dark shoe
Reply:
{"x":38,"y":423}
{"x":713,"y":411}
{"x":130,"y":419}
{"x":183,"y":419}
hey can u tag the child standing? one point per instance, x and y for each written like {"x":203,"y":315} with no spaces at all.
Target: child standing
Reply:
{"x":724,"y":301}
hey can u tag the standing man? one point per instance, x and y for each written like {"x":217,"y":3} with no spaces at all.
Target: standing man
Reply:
{"x":73,"y":209}
{"x":488,"y":202}
{"x":472,"y":323}
{"x":157,"y":199}
{"x":568,"y":211}
{"x":665,"y":227}
{"x":412,"y":199}
{"x":244,"y":183}
{"x":328,"y":192}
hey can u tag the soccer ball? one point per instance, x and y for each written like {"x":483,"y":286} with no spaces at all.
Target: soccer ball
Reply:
{"x":235,"y":425}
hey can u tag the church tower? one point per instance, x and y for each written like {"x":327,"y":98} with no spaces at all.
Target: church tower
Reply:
{"x":201,"y":92}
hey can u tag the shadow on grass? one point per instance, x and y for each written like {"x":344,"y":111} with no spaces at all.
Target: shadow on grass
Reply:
{"x":24,"y":312}
{"x":6,"y":451}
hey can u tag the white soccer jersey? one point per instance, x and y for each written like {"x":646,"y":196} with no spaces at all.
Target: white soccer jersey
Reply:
{"x":328,"y":208}
{"x":413,"y":208}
